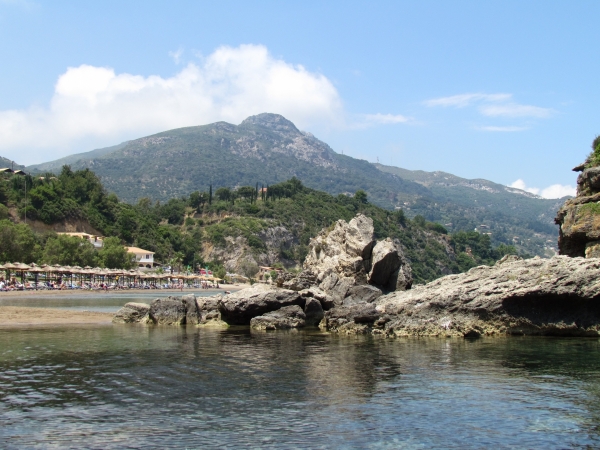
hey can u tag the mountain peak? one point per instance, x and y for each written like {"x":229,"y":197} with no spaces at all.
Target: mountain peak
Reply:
{"x":273,"y":121}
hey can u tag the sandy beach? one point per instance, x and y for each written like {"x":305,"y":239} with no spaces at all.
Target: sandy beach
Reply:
{"x":23,"y":316}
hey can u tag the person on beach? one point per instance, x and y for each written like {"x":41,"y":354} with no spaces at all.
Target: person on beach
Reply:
{"x":2,"y":284}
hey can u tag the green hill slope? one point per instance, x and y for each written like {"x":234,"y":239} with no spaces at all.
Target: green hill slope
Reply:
{"x":269,"y":149}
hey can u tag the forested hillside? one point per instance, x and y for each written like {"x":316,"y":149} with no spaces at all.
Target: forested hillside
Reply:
{"x":219,"y":227}
{"x":269,"y":149}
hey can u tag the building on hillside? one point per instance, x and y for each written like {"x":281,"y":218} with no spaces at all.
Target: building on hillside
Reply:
{"x":95,"y":240}
{"x":143,"y":258}
{"x":263,"y":270}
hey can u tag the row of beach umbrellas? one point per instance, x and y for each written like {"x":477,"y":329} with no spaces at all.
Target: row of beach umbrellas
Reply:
{"x":95,"y":271}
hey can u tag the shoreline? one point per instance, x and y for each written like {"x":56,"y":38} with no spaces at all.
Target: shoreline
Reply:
{"x":19,"y":316}
{"x":81,"y":292}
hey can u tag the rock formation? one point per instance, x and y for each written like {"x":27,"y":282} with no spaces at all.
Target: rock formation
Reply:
{"x":579,"y":218}
{"x":352,"y":284}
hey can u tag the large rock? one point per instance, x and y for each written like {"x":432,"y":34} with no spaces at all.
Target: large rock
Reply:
{"x":313,"y":311}
{"x":168,"y":311}
{"x":579,"y":217}
{"x":284,"y":318}
{"x":132,"y":313}
{"x":208,"y":311}
{"x":240,"y":307}
{"x":192,"y":314}
{"x":353,"y":319}
{"x":341,"y":250}
{"x":557,"y":296}
{"x":362,"y":294}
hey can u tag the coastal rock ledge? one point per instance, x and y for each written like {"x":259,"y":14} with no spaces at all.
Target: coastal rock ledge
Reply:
{"x":353,"y":284}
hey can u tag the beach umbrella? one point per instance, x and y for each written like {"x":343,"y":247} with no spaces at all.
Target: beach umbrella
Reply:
{"x":36,"y":270}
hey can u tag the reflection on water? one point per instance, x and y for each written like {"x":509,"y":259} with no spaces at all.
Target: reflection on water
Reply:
{"x":148,"y":387}
{"x":95,"y":301}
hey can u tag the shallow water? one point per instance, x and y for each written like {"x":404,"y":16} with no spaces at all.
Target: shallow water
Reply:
{"x":97,"y":301}
{"x":119,"y":386}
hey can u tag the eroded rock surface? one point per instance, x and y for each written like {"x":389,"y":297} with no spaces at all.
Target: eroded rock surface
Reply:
{"x":557,"y":296}
{"x":579,"y":217}
{"x":282,"y":319}
{"x":132,"y":313}
{"x":240,"y":307}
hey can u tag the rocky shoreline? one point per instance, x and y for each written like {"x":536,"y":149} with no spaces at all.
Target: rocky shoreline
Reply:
{"x":353,"y":284}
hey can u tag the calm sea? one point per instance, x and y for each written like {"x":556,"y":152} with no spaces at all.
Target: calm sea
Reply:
{"x":128,"y":386}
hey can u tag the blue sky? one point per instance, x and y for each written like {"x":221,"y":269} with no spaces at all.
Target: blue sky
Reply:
{"x":502,"y":90}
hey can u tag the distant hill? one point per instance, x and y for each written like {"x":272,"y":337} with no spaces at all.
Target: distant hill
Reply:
{"x":54,"y":166}
{"x":5,"y":162}
{"x":267,"y":149}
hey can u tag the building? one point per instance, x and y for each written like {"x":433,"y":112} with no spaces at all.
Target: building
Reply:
{"x":144,"y":258}
{"x":96,"y":241}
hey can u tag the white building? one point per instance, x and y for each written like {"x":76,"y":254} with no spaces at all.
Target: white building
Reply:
{"x":96,"y":241}
{"x":144,"y":258}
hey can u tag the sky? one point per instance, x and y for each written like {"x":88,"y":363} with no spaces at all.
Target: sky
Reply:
{"x":500,"y":90}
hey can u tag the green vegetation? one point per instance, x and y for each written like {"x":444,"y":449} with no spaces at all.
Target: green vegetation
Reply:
{"x":178,"y":229}
{"x":593,"y":159}
{"x":589,"y":209}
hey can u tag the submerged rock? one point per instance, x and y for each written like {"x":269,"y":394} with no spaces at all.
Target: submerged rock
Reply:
{"x":282,"y":319}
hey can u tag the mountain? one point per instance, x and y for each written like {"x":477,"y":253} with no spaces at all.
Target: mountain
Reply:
{"x":267,"y":149}
{"x":72,"y":159}
{"x":5,"y":162}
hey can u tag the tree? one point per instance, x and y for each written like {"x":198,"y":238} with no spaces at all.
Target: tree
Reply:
{"x":361,"y":196}
{"x":224,"y":194}
{"x":113,"y":255}
{"x":69,"y":251}
{"x":17,"y":243}
{"x":246,"y":192}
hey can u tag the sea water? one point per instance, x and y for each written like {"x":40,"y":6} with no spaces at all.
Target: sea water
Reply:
{"x":132,"y":386}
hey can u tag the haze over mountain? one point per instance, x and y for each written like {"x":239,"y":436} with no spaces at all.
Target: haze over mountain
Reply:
{"x":267,"y":148}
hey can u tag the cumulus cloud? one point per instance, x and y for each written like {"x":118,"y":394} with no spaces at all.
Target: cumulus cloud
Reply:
{"x":553,"y":191}
{"x":94,"y":106}
{"x":492,"y":105}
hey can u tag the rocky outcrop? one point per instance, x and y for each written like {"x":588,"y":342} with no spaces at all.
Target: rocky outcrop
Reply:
{"x":345,"y":257}
{"x":579,"y":218}
{"x":168,"y":311}
{"x":557,"y":296}
{"x":132,"y":313}
{"x":240,"y":307}
{"x":282,"y":319}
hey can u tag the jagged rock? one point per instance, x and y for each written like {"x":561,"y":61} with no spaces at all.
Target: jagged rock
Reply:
{"x":313,"y":311}
{"x":132,"y":313}
{"x":192,"y":313}
{"x":168,"y":311}
{"x":303,"y":280}
{"x":557,"y":296}
{"x":284,"y":318}
{"x":579,"y":218}
{"x":362,"y":294}
{"x":342,"y":249}
{"x":208,"y":311}
{"x":350,"y":319}
{"x":240,"y":307}
{"x":314,"y":292}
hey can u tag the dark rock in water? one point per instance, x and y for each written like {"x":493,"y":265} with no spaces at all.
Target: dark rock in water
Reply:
{"x":240,"y":307}
{"x":326,"y":301}
{"x":314,"y":311}
{"x":557,"y":296}
{"x":168,"y":311}
{"x":192,"y":314}
{"x":362,"y":294}
{"x":208,"y":310}
{"x":132,"y":313}
{"x":284,"y":318}
{"x":351,"y":319}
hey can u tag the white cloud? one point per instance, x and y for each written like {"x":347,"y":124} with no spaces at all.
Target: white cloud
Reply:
{"x":176,"y":55}
{"x":462,"y":100}
{"x":94,"y":106}
{"x":385,"y":119}
{"x":553,"y":191}
{"x":515,"y":110}
{"x":502,"y":129}
{"x":492,"y":105}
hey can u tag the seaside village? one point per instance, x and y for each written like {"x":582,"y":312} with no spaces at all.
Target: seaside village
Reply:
{"x":148,"y":274}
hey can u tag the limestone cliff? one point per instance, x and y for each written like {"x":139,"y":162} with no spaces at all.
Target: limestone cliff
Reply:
{"x":579,"y":217}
